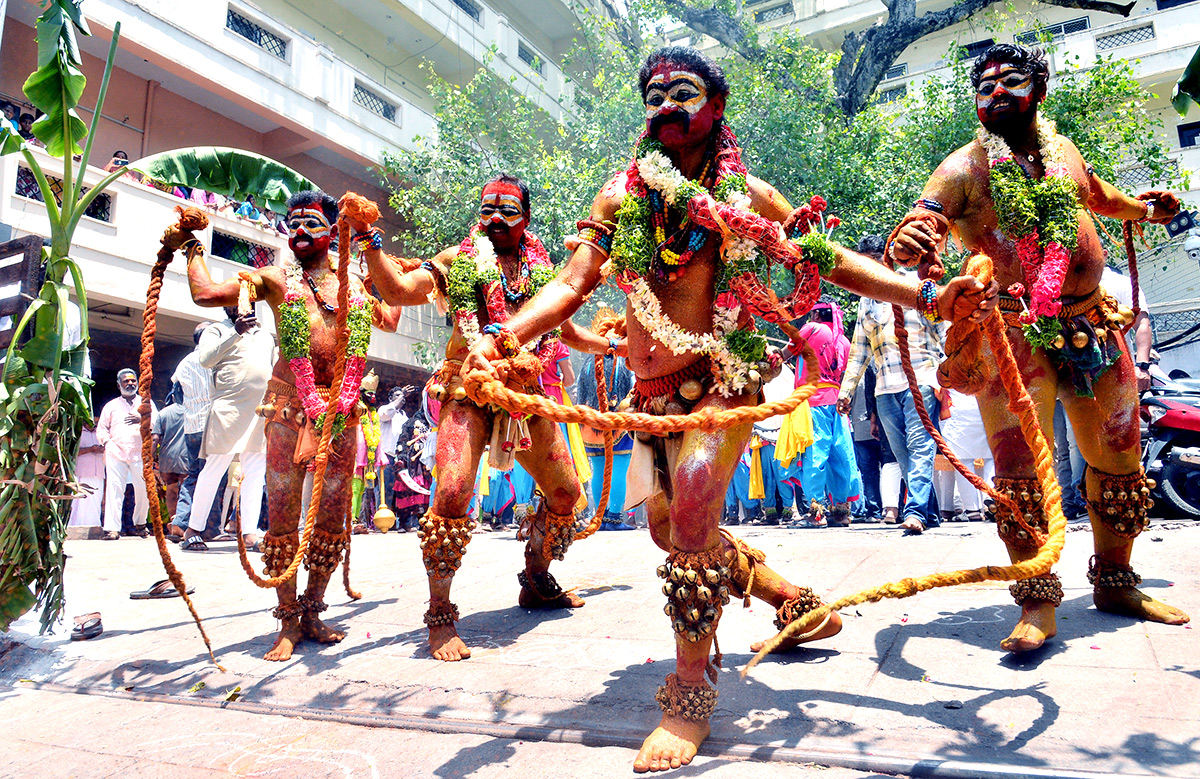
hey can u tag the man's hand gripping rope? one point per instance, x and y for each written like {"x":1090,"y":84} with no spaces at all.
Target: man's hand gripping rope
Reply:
{"x":1022,"y":405}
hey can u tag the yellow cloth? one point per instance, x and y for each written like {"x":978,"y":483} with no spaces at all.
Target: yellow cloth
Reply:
{"x":757,"y":490}
{"x":795,"y":435}
{"x":583,"y":468}
{"x":485,"y":478}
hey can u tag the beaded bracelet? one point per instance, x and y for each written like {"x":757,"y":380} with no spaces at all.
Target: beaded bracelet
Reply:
{"x":506,"y":341}
{"x":927,"y":301}
{"x":372,"y":239}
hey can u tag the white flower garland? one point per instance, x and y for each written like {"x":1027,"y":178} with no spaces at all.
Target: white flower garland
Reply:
{"x":733,"y":370}
{"x":1050,"y":145}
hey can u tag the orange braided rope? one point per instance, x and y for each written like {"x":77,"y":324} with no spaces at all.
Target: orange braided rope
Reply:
{"x":605,"y":324}
{"x":1022,"y":405}
{"x":322,"y":457}
{"x":482,"y":389}
{"x":145,"y":377}
{"x":1131,"y":256}
{"x":350,"y":591}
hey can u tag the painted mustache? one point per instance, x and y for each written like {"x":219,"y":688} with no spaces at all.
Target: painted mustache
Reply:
{"x":660,"y":121}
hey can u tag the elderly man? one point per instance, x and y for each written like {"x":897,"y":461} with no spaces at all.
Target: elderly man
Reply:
{"x":119,"y":432}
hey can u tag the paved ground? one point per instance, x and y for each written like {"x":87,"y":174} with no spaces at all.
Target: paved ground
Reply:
{"x":917,"y":686}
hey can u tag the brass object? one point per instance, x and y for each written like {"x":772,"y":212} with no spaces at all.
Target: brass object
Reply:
{"x":1059,"y":342}
{"x":1080,"y":340}
{"x":691,"y":390}
{"x":460,"y":393}
{"x":384,"y":519}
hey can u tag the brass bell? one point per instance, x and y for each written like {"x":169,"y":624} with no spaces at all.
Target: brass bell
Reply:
{"x":1127,"y":315}
{"x":669,"y":609}
{"x":1080,"y":340}
{"x":691,"y":390}
{"x":1151,"y":483}
{"x":690,"y":576}
{"x":668,"y":589}
{"x":663,"y":571}
{"x":460,"y":393}
{"x":438,"y":391}
{"x":624,"y":404}
{"x":693,"y":615}
{"x":1059,"y":342}
{"x":674,"y":408}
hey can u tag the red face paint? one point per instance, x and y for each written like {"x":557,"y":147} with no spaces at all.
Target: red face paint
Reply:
{"x":1004,"y":92}
{"x":502,"y":215}
{"x":679,"y":110}
{"x":309,"y":231}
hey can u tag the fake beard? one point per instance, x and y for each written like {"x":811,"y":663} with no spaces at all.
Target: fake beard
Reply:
{"x":1012,"y":122}
{"x":661,"y":120}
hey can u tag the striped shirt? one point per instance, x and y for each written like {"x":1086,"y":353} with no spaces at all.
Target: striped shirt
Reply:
{"x":875,"y":340}
{"x":196,"y":381}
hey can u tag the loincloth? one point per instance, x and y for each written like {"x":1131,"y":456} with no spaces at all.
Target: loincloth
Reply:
{"x":510,"y":434}
{"x":653,"y":459}
{"x":1089,"y":344}
{"x":281,"y":405}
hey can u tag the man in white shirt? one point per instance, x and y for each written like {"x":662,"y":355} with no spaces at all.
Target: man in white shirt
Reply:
{"x":119,"y":432}
{"x":196,"y":381}
{"x":391,"y":419}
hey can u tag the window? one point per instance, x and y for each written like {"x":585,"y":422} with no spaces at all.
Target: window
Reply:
{"x":470,"y":8}
{"x":27,"y":186}
{"x":1140,"y":175}
{"x":896,"y":71}
{"x":1054,"y":31}
{"x":771,"y":14}
{"x":529,"y":57}
{"x":892,"y":95}
{"x":1189,"y":134}
{"x":1125,"y":37}
{"x":241,"y":251}
{"x":373,"y":102}
{"x":256,"y":34}
{"x":1165,"y":4}
{"x":973,"y":50}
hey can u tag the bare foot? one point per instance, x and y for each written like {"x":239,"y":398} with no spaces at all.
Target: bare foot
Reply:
{"x":831,"y":625}
{"x":444,"y":644}
{"x":285,"y":642}
{"x":1033,"y":628}
{"x":672,"y":744}
{"x":312,"y":627}
{"x":912,"y":526}
{"x":1132,"y":602}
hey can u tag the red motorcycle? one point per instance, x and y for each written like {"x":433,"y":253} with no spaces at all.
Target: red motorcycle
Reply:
{"x":1171,"y":453}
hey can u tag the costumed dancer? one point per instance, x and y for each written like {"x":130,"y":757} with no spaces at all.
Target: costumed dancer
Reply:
{"x":1020,"y":193}
{"x":482,"y":282}
{"x":369,"y":459}
{"x":302,"y":293}
{"x":692,"y":286}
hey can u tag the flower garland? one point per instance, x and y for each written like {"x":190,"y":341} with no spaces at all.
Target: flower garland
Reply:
{"x":295,"y":331}
{"x":372,"y":432}
{"x":475,"y":266}
{"x":1042,"y":219}
{"x":749,"y":244}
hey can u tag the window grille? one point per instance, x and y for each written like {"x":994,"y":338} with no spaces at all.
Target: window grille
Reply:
{"x":749,"y":3}
{"x":529,"y":57}
{"x":1125,"y":37}
{"x":896,"y":71}
{"x":256,"y":34}
{"x":241,"y":251}
{"x":973,"y":50}
{"x":373,"y":102}
{"x":1189,"y":134}
{"x":1054,"y":31}
{"x":771,"y":14}
{"x":892,"y":95}
{"x":1140,"y":175}
{"x":1175,"y":321}
{"x":27,"y":186}
{"x":469,"y":8}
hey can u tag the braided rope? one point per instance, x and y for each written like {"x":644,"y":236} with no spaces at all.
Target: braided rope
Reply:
{"x":483,"y":389}
{"x":605,"y":327}
{"x":145,"y":377}
{"x":1131,"y":256}
{"x":1023,"y":406}
{"x":322,"y":456}
{"x":350,"y":591}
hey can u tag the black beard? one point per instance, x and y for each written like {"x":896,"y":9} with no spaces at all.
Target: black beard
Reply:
{"x":1012,"y":124}
{"x":660,"y":121}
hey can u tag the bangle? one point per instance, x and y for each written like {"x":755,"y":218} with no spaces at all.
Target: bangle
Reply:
{"x":506,"y":341}
{"x":372,"y":239}
{"x":612,"y":344}
{"x":927,"y":300}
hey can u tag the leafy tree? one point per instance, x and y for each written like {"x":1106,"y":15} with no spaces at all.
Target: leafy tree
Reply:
{"x":45,"y":397}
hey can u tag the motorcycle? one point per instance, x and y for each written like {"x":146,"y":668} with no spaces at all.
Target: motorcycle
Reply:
{"x":1171,"y":445}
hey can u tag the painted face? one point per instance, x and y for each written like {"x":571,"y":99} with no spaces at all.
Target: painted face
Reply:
{"x":502,"y":214}
{"x":309,"y":231}
{"x":678,"y":107}
{"x":1004,"y":92}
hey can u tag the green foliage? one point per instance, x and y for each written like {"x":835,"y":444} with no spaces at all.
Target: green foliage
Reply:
{"x":229,"y":172}
{"x":1187,"y":89}
{"x":870,"y":167}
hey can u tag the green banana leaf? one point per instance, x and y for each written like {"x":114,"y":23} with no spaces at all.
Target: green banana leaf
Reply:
{"x":58,"y":83}
{"x":230,"y":172}
{"x":1187,"y":90}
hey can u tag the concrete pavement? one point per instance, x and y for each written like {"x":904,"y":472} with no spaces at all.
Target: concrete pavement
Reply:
{"x":917,"y":686}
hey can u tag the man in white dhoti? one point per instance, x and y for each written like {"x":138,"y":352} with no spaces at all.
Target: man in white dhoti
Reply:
{"x":240,"y":355}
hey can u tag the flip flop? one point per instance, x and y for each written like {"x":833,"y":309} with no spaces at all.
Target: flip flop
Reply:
{"x":87,"y":626}
{"x":160,"y":589}
{"x":193,"y":544}
{"x":223,"y":537}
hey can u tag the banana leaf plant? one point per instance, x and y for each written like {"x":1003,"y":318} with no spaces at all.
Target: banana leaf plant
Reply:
{"x":1187,"y":90}
{"x":230,"y":172}
{"x":45,"y":397}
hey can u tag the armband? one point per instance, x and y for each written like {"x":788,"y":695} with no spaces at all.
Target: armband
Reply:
{"x":927,"y":300}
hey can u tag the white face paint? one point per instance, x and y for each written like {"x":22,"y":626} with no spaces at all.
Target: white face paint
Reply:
{"x":677,"y":89}
{"x":502,"y":207}
{"x":308,"y":221}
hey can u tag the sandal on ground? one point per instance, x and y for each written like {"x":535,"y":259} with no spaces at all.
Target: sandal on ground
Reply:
{"x":87,"y":626}
{"x":974,"y":516}
{"x":111,"y":535}
{"x":223,"y":537}
{"x":193,"y":544}
{"x":160,"y":589}
{"x":141,"y":531}
{"x":891,"y":516}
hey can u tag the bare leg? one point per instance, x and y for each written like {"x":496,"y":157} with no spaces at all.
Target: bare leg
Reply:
{"x":329,"y":538}
{"x":463,"y":431}
{"x":285,"y":486}
{"x":549,"y":463}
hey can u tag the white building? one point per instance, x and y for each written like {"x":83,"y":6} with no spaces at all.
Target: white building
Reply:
{"x":322,"y":87}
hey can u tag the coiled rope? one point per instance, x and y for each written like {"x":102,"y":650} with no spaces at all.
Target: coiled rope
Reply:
{"x":606,"y":324}
{"x":188,"y":221}
{"x":1021,"y":404}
